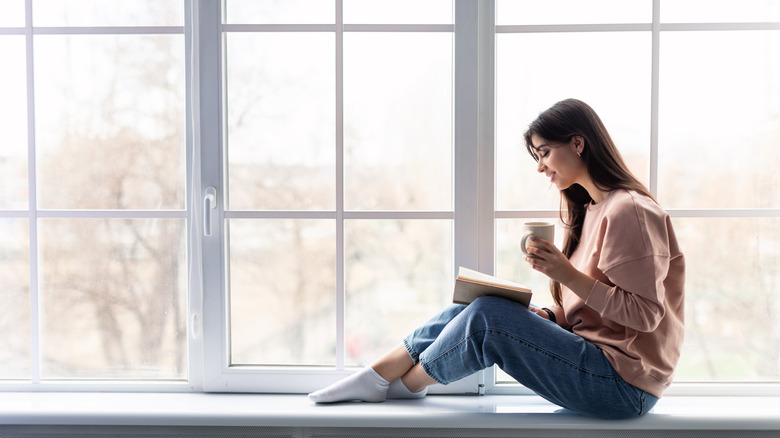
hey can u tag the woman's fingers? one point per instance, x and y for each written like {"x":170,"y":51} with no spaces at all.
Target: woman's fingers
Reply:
{"x":539,"y":312}
{"x":541,"y":243}
{"x":538,"y":251}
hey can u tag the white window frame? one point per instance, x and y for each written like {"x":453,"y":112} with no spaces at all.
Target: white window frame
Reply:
{"x":473,"y":212}
{"x":33,"y":213}
{"x":656,"y":27}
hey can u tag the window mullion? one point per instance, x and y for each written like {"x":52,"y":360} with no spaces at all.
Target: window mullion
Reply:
{"x":340,"y":258}
{"x":207,"y":143}
{"x":486,"y":142}
{"x":656,"y":32}
{"x":474,"y":135}
{"x":466,"y":136}
{"x":35,"y":304}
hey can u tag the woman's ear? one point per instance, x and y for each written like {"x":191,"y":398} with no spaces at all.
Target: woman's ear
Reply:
{"x":578,"y":143}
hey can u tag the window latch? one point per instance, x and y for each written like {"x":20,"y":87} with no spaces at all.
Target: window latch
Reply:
{"x":209,"y":205}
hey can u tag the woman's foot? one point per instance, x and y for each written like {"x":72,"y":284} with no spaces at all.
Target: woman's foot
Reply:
{"x":365,"y":385}
{"x":397,"y":389}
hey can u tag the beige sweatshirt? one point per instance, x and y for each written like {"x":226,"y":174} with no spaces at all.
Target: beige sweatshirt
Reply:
{"x":635,"y":310}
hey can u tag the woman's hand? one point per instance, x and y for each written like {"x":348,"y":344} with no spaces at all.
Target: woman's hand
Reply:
{"x":539,"y":312}
{"x":550,"y":261}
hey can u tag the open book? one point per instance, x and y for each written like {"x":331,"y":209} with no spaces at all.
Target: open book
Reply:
{"x":472,"y":284}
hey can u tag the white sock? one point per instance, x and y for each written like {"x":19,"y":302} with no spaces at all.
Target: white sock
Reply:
{"x":397,"y":389}
{"x":365,"y":385}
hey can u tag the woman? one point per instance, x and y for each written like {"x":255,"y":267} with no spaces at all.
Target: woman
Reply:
{"x":609,"y":345}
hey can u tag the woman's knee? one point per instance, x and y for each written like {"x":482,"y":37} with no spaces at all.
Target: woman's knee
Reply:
{"x":495,"y":312}
{"x":487,"y":302}
{"x":480,"y":310}
{"x":497,"y":306}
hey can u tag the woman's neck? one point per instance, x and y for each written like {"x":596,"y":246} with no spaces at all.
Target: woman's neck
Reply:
{"x":596,"y":194}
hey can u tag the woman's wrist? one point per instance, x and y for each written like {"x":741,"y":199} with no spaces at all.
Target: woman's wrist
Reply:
{"x":550,"y":315}
{"x":580,"y":283}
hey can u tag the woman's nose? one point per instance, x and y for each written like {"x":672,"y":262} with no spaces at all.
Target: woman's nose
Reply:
{"x":540,"y":167}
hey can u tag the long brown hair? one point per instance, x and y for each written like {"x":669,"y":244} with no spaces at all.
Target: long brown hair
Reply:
{"x":606,"y":168}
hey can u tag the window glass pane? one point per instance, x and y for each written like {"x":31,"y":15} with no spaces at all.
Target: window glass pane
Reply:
{"x":573,"y":12}
{"x":15,"y":362}
{"x":719,"y":122}
{"x":113,"y":293}
{"x":282,"y":292}
{"x":398,"y":12}
{"x":280,"y":12}
{"x":113,"y":13}
{"x":281,"y":114}
{"x":562,"y":66}
{"x":110,"y":121}
{"x":704,"y":11}
{"x":12,"y":13}
{"x":732,"y":329}
{"x":398,"y":121}
{"x":13,"y":124}
{"x":398,"y":274}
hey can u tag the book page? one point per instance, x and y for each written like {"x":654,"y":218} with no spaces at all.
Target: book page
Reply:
{"x":478,"y":277}
{"x":471,"y":285}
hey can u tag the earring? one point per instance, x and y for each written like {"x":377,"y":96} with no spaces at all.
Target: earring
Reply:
{"x":579,"y":154}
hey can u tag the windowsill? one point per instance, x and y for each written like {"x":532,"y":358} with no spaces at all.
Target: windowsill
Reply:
{"x":266,"y":410}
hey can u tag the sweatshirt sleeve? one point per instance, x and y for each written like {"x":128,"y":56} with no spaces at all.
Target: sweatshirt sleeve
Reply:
{"x":635,"y":258}
{"x":635,"y":299}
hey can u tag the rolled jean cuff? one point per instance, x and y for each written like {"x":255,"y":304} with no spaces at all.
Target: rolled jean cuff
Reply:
{"x":432,"y":374}
{"x":412,"y":354}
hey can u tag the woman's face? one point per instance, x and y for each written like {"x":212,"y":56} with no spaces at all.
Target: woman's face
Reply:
{"x":559,"y":161}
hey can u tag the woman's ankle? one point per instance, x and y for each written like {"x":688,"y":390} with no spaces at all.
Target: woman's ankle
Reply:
{"x":417,"y":379}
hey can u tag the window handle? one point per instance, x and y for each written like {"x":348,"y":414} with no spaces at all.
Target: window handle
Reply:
{"x":209,"y":205}
{"x":195,"y":326}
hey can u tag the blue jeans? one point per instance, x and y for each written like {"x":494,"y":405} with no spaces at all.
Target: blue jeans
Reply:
{"x":560,"y":366}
